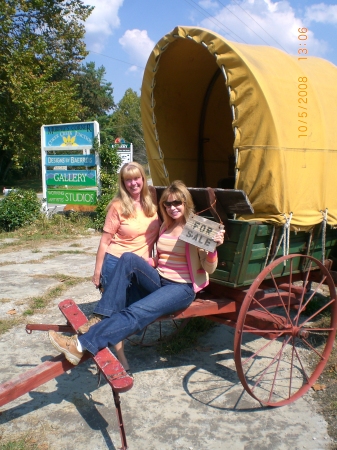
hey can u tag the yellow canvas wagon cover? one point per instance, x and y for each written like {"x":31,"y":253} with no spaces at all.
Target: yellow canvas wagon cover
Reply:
{"x":216,"y":112}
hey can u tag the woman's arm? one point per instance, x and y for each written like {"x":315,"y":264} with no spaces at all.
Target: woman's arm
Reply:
{"x":102,"y":248}
{"x":111,"y":225}
{"x":209,"y":260}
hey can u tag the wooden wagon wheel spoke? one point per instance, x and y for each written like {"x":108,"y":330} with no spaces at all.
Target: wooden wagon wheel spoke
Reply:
{"x":280,"y":296}
{"x":257,"y":331}
{"x":320,"y":329}
{"x":300,"y":361}
{"x":260,"y":350}
{"x":273,"y":316}
{"x":312,"y":295}
{"x":291,"y":367}
{"x":313,"y":349}
{"x":305,"y":284}
{"x":288,"y":341}
{"x":277,"y":368}
{"x":276,"y":358}
{"x":317,"y":312}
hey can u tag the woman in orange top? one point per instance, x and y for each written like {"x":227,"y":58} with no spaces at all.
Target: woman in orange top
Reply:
{"x":131,"y":225}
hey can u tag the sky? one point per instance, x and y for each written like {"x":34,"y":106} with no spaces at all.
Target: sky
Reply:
{"x":120,"y":34}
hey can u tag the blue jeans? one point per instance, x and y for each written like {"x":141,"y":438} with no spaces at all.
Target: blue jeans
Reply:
{"x":109,"y":263}
{"x":164,"y":297}
{"x":134,"y":292}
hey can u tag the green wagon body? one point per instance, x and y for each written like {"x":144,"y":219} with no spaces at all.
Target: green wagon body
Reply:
{"x":244,"y":255}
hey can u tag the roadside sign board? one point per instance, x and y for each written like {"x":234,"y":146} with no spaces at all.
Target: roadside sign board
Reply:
{"x":73,"y":136}
{"x":125,"y":152}
{"x":67,"y":154}
{"x":200,"y":232}
{"x":72,"y":197}
{"x":71,"y":177}
{"x":70,"y":160}
{"x":124,"y":155}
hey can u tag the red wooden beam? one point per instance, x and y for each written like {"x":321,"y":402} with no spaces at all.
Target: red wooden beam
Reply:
{"x":33,"y":378}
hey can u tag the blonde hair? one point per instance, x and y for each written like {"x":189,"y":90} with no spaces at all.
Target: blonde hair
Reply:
{"x":179,"y":190}
{"x":132,"y":170}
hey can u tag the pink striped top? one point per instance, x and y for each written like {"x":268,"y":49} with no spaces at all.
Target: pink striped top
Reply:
{"x":172,"y":262}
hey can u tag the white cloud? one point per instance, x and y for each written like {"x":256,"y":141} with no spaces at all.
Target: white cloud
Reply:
{"x":101,"y":23}
{"x":138,"y":45}
{"x":321,"y":13}
{"x":208,"y":4}
{"x":263,"y":22}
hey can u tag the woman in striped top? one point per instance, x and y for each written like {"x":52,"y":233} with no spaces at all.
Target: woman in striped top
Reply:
{"x":170,"y":280}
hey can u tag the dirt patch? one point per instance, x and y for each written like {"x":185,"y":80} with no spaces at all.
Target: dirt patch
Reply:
{"x":325,"y":388}
{"x":327,"y":397}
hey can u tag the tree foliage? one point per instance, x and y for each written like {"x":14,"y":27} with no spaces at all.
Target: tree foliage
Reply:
{"x":94,"y":91}
{"x":41,"y":49}
{"x":110,"y":162}
{"x":126,"y":123}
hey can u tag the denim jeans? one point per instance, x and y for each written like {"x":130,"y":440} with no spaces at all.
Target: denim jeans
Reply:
{"x":109,"y":263}
{"x":164,"y":297}
{"x":134,"y":291}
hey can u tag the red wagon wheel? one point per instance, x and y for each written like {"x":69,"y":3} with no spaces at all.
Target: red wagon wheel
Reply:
{"x":284,"y":332}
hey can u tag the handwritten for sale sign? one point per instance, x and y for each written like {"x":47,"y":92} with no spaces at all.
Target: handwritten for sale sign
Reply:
{"x":200,"y":232}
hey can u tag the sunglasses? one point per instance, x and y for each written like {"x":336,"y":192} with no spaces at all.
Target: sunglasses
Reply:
{"x":175,"y":203}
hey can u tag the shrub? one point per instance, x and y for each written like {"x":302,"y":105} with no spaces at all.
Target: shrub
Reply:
{"x":101,"y":211}
{"x":110,"y":161}
{"x":19,"y":208}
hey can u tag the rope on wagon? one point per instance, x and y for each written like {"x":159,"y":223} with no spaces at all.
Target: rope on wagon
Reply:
{"x":325,"y":219}
{"x":213,"y":207}
{"x":286,"y":231}
{"x":285,"y":238}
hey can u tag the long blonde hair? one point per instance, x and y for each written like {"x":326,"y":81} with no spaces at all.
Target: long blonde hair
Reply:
{"x":179,"y":190}
{"x":124,"y":198}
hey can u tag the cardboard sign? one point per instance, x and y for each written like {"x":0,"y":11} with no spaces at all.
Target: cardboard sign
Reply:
{"x":200,"y":232}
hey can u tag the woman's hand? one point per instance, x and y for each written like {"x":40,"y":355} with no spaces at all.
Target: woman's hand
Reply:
{"x":96,"y":280}
{"x":153,"y":262}
{"x":219,"y":237}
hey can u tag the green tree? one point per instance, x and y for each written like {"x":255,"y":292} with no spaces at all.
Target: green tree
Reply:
{"x":126,"y":121}
{"x":110,"y":163}
{"x":94,"y":91}
{"x":41,"y":49}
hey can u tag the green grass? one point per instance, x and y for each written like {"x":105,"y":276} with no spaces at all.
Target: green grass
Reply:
{"x":187,"y":337}
{"x":43,"y":301}
{"x":316,"y":303}
{"x":25,"y":442}
{"x":59,"y":227}
{"x":6,"y":325}
{"x":37,"y":303}
{"x":34,"y":184}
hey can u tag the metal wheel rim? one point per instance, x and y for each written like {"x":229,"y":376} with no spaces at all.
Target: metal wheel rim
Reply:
{"x":241,"y":323}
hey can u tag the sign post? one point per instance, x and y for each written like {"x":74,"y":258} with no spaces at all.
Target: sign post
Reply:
{"x":77,"y":140}
{"x":124,"y":150}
